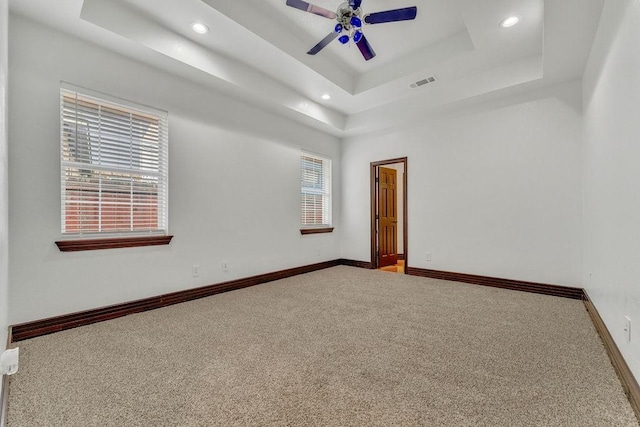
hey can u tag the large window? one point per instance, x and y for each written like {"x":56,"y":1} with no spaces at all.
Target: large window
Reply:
{"x":114,"y":166}
{"x":315,"y":192}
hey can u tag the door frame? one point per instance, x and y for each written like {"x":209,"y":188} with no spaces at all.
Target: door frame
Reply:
{"x":374,"y":221}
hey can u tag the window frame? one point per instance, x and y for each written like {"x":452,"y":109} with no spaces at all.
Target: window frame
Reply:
{"x":141,"y":166}
{"x":325,"y":192}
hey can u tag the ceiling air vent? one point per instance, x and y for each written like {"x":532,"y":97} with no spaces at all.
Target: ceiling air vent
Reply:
{"x":423,"y":82}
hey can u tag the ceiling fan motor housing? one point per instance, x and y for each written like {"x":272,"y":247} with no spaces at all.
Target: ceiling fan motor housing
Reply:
{"x":345,"y":14}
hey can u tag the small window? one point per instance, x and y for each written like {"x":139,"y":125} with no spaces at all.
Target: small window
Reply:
{"x":114,"y":166}
{"x":315,"y":191}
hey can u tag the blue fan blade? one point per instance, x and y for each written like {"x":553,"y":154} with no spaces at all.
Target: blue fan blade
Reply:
{"x":365,"y":48}
{"x":323,"y":43}
{"x":404,"y":14}
{"x":307,"y":7}
{"x":354,"y":4}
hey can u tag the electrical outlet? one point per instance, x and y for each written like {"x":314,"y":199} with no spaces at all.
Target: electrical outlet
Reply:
{"x":428,"y":257}
{"x":318,"y":252}
{"x":225,"y":265}
{"x":195,"y":271}
{"x":9,"y":361}
{"x":627,"y":328}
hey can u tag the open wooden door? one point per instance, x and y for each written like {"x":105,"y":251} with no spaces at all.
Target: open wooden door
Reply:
{"x":387,"y":217}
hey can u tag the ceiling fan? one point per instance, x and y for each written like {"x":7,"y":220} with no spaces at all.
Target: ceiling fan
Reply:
{"x":350,"y":21}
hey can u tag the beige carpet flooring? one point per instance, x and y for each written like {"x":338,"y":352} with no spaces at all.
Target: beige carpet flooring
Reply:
{"x":341,"y":346}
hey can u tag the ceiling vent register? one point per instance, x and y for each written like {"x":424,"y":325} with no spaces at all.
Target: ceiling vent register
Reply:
{"x":422,"y":82}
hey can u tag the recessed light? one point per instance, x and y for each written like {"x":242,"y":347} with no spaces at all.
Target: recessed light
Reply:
{"x":199,"y":28}
{"x":326,"y":96}
{"x":510,"y":21}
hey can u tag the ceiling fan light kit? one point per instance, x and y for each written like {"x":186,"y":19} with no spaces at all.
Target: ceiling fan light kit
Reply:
{"x":350,"y":20}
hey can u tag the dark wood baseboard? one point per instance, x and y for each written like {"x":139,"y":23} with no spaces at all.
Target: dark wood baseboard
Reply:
{"x":629,"y":382}
{"x":400,"y":257}
{"x":59,"y":323}
{"x":359,"y":264}
{"x":516,"y":285}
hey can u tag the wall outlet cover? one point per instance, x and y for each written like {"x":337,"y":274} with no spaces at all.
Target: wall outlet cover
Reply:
{"x":9,"y":361}
{"x":627,"y":328}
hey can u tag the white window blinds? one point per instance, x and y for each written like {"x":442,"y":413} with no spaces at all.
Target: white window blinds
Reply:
{"x":315,"y":190}
{"x":114,"y":166}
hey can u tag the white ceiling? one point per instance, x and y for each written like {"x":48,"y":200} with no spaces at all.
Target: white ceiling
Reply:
{"x":256,"y":50}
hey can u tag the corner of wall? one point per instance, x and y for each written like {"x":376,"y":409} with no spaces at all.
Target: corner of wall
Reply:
{"x":610,"y":175}
{"x":4,"y":210}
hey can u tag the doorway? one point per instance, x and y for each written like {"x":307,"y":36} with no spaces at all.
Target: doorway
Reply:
{"x":389,"y":248}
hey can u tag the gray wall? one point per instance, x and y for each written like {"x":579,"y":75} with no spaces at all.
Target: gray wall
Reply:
{"x":612,"y":175}
{"x":4,"y":186}
{"x":493,"y":190}
{"x":234,"y":183}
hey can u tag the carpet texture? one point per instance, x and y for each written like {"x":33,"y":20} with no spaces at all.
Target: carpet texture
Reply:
{"x":341,"y":346}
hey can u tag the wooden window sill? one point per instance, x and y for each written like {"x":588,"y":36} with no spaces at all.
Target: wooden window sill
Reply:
{"x":304,"y":231}
{"x":111,"y":243}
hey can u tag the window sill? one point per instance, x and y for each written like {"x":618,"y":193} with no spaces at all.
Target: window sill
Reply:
{"x":111,"y":243}
{"x":304,"y":231}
